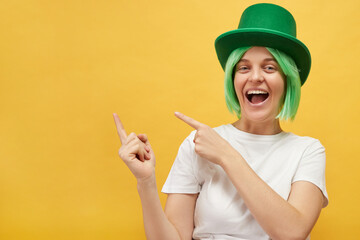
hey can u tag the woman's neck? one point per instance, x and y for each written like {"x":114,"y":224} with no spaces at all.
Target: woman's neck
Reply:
{"x":267,"y":127}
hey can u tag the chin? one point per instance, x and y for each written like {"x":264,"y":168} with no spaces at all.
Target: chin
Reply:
{"x":259,"y":116}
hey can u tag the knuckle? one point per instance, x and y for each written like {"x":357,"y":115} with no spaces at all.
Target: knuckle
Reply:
{"x":197,"y":148}
{"x":130,"y":137}
{"x":121,"y":153}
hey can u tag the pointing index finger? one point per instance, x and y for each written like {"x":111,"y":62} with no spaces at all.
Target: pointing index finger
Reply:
{"x":190,"y":121}
{"x":120,"y":128}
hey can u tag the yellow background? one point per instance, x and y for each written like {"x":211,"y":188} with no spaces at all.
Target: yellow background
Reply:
{"x":67,"y":65}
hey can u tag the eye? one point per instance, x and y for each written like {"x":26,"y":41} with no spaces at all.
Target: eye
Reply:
{"x":242,"y":68}
{"x":270,"y":68}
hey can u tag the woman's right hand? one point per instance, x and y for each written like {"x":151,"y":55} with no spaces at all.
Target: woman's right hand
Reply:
{"x":136,"y":152}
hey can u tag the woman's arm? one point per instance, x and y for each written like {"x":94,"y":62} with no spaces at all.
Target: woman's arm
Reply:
{"x":281,"y":219}
{"x":179,"y":210}
{"x":176,"y":222}
{"x":137,"y":154}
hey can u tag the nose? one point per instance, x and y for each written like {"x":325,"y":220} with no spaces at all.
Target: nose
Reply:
{"x":256,"y":76}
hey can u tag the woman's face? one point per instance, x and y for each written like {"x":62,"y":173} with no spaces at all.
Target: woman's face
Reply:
{"x":259,"y":85}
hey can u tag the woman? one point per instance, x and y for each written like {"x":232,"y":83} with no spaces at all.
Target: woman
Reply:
{"x":249,"y":179}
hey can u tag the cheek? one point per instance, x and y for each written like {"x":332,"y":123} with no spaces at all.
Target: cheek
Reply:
{"x":281,"y":90}
{"x":278,"y":87}
{"x":238,"y":86}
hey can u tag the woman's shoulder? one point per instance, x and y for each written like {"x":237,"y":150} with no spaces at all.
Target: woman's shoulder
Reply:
{"x":302,"y":138}
{"x":305,"y":142}
{"x":227,"y":130}
{"x":222,"y":128}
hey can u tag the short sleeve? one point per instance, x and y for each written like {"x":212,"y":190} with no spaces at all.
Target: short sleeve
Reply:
{"x":312,"y":168}
{"x":182,"y":177}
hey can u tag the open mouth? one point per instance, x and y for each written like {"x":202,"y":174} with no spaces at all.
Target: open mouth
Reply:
{"x":256,"y":96}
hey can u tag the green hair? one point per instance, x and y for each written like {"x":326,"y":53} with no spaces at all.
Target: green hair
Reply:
{"x":291,"y":101}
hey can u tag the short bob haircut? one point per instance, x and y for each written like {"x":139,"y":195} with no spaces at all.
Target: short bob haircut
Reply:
{"x":289,"y":106}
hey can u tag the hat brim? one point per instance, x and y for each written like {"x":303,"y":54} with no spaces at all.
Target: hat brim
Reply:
{"x":229,"y":41}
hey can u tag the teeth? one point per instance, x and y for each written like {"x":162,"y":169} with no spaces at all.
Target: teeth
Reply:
{"x":256,"y":92}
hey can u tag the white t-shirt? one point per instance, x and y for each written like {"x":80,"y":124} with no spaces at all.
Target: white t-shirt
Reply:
{"x":220,"y":212}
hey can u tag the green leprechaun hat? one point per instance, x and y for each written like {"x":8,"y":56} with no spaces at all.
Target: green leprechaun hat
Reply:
{"x":266,"y":25}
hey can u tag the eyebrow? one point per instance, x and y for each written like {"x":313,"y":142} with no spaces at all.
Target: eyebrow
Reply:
{"x":265,"y":60}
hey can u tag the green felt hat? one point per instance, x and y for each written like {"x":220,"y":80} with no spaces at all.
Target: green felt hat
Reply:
{"x":266,"y":25}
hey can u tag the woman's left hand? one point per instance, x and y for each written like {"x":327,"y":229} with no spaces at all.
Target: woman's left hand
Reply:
{"x":208,"y":143}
